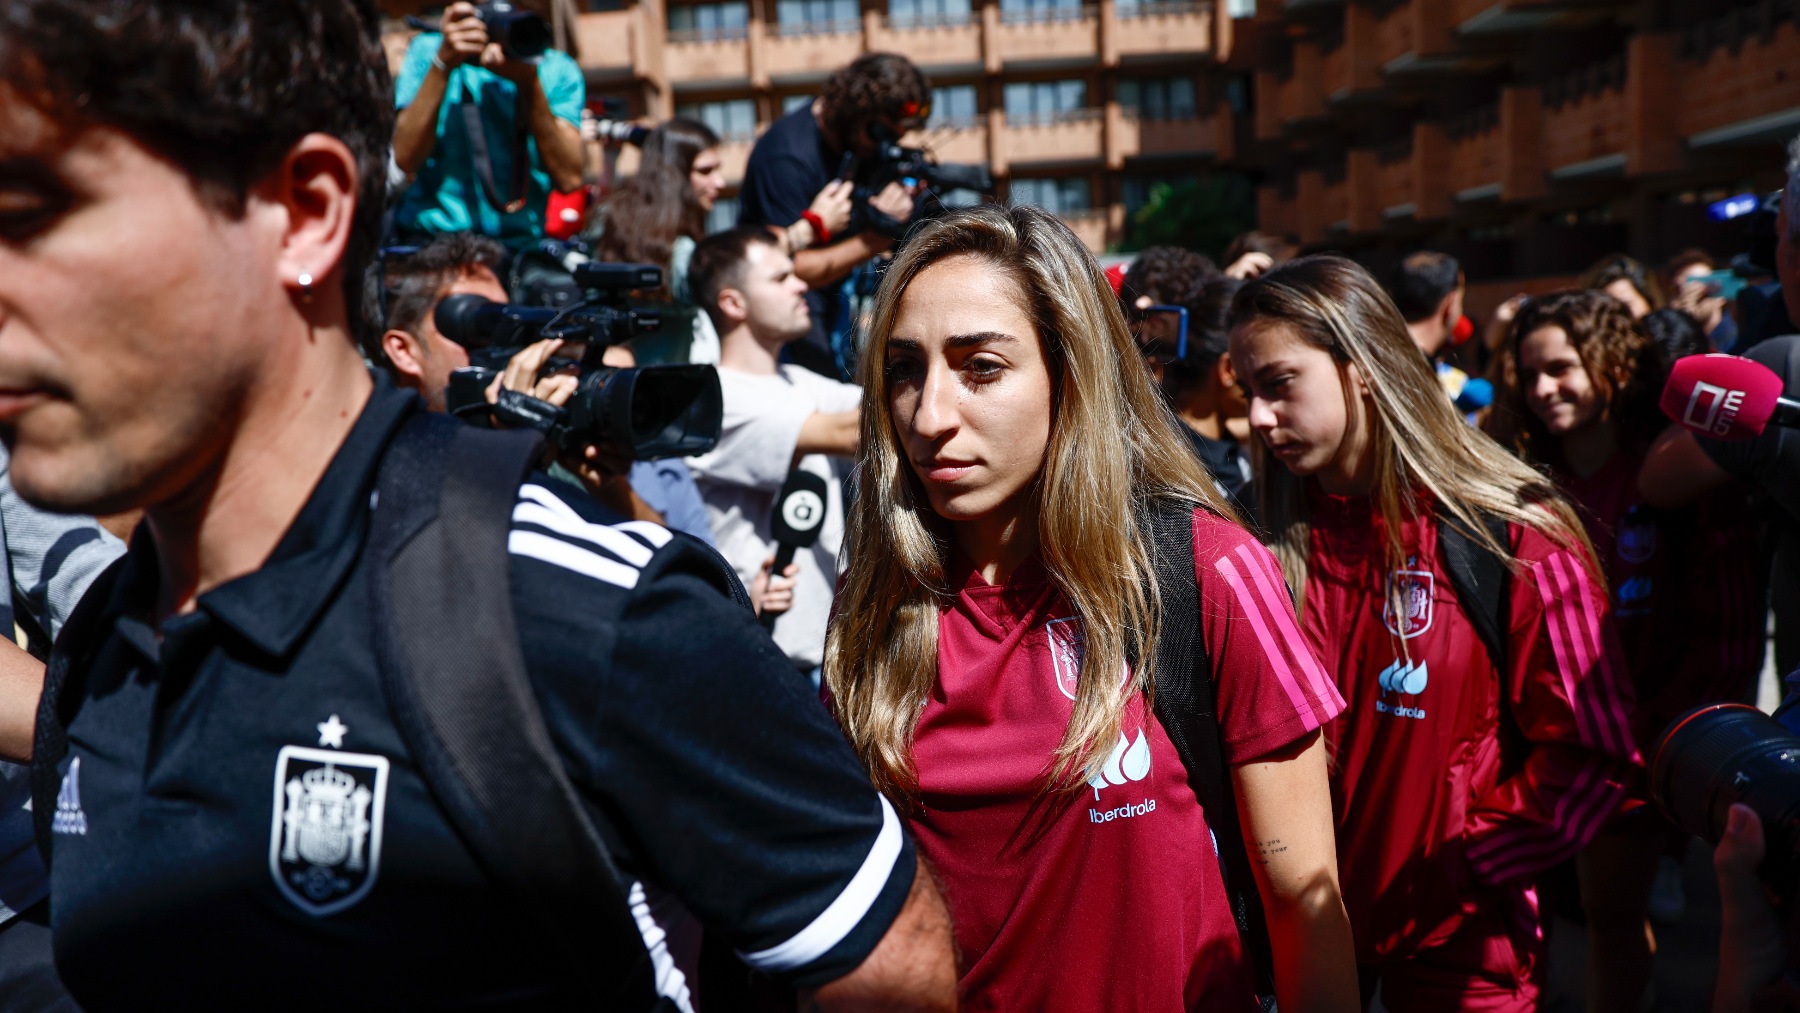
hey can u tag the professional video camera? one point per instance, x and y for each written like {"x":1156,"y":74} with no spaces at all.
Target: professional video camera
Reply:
{"x":523,"y":35}
{"x":652,"y":412}
{"x":893,"y":162}
{"x":1720,"y":754}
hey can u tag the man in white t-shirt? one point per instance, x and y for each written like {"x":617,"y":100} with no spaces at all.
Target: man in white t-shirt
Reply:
{"x":777,"y":417}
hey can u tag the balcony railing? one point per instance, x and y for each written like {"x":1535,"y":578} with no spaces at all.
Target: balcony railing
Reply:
{"x":920,"y":22}
{"x":846,"y":26}
{"x":1082,"y":115}
{"x":1047,"y":15}
{"x":1150,"y":8}
{"x":736,"y":33}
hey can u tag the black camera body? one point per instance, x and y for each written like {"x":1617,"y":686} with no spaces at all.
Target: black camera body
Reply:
{"x":1729,"y":753}
{"x":894,"y":162}
{"x":651,"y":413}
{"x":522,"y":35}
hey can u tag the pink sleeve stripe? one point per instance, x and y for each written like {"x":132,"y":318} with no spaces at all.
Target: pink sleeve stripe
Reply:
{"x":1586,"y":668}
{"x":1274,"y":596}
{"x":1611,"y":689}
{"x":1596,"y":806}
{"x":1563,"y":648}
{"x":1271,"y":647}
{"x":1514,"y":837}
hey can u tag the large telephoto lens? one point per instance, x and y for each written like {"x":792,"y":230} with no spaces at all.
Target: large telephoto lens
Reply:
{"x":522,"y":34}
{"x":653,"y":412}
{"x":1720,"y":754}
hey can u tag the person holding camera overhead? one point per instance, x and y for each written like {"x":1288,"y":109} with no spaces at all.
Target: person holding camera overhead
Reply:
{"x":877,"y":96}
{"x":489,"y":123}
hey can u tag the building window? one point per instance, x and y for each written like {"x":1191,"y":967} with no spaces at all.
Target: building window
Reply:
{"x":1158,"y":98}
{"x":708,"y":22}
{"x":1045,"y":101}
{"x":1241,"y":8}
{"x":960,"y":198}
{"x":605,"y":5}
{"x":1040,"y":10}
{"x":952,"y":107}
{"x":927,"y":13}
{"x":1057,"y":196}
{"x":816,"y":17}
{"x":1136,"y":8}
{"x":789,"y":103}
{"x":731,"y":119}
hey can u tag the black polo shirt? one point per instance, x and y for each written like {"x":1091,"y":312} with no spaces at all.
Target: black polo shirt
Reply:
{"x":241,"y":825}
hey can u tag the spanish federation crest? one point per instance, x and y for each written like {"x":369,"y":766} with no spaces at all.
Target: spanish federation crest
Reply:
{"x":1412,"y":591}
{"x":325,"y":841}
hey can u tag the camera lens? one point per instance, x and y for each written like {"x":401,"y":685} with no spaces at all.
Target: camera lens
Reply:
{"x":1720,"y":754}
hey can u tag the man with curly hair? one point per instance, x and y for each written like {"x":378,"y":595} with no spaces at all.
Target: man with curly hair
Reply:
{"x":878,"y":96}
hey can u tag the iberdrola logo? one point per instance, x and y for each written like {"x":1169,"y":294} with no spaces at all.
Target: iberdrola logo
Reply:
{"x":1124,"y":763}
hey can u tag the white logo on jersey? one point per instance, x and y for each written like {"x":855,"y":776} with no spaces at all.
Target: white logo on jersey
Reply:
{"x":1413,"y":589}
{"x":69,"y":819}
{"x":325,"y":839}
{"x":1124,"y":763}
{"x":1402,"y":677}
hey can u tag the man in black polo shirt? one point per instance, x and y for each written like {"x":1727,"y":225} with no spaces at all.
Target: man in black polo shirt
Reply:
{"x":188,"y":197}
{"x":805,"y":150}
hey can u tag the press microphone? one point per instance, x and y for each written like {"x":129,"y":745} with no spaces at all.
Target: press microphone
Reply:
{"x":799,"y":515}
{"x":1726,"y":397}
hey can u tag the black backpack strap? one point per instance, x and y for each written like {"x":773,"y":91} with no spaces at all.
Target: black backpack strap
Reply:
{"x":65,"y":679}
{"x":460,"y":694}
{"x":1186,"y":704}
{"x":1482,"y":580}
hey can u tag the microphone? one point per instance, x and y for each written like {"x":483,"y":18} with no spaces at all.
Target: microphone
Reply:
{"x":1726,"y":397}
{"x":799,"y":516}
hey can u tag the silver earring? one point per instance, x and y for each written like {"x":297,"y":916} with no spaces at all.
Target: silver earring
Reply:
{"x":305,"y":280}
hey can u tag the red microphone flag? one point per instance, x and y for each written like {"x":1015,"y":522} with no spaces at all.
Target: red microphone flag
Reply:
{"x":1721,"y":396}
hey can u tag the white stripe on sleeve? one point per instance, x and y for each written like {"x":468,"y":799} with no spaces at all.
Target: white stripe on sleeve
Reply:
{"x":846,"y":912}
{"x":571,"y":557}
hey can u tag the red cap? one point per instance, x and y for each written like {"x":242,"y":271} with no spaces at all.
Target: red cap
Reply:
{"x":1115,"y":276}
{"x":1721,"y":396}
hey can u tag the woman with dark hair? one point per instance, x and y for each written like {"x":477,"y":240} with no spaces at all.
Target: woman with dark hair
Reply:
{"x":1486,"y":732}
{"x":1627,"y":281}
{"x":657,"y":216}
{"x":1578,"y":394}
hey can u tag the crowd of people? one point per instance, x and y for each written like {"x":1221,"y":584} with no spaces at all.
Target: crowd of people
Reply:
{"x":1169,"y":637}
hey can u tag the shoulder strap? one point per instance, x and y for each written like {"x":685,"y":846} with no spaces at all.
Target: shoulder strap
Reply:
{"x":461,"y":696}
{"x":484,"y":165}
{"x":1186,"y":703}
{"x":1480,"y":578}
{"x":65,"y":677}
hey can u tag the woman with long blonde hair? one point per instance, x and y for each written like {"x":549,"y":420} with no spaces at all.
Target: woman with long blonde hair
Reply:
{"x":1452,"y":591}
{"x":991,"y":654}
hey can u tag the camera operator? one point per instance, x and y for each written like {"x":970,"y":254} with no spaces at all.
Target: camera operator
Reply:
{"x":418,"y":356}
{"x":777,"y":417}
{"x":509,"y":740}
{"x":1682,"y":467}
{"x":488,"y":132}
{"x":877,"y":95}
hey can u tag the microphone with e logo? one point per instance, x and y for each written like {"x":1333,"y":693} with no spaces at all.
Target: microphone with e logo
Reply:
{"x":799,"y":515}
{"x":1727,"y":398}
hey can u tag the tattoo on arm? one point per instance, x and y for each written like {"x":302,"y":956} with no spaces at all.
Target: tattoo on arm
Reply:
{"x":1265,"y":850}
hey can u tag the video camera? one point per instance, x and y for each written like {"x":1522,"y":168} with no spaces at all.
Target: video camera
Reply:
{"x":523,"y":35}
{"x":651,"y":412}
{"x":1720,"y":754}
{"x":896,"y":163}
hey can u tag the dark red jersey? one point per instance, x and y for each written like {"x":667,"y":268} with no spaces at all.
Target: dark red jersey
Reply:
{"x":1687,"y":593}
{"x":1109,"y":898}
{"x":1454,"y":782}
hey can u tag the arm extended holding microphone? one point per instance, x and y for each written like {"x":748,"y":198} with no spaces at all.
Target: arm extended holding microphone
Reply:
{"x":1719,"y":397}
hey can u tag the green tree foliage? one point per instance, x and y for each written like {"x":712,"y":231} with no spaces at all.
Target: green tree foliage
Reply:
{"x":1203,"y":214}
